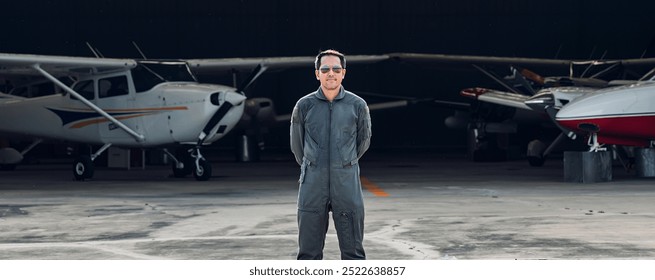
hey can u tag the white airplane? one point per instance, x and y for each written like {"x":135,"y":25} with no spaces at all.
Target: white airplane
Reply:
{"x":128,"y":103}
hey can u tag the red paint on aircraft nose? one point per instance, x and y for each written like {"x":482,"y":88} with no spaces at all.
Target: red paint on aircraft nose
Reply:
{"x":616,"y":130}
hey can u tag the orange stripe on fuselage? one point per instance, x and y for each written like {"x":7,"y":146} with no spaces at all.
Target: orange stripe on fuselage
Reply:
{"x":177,"y":108}
{"x":369,"y":186}
{"x":150,"y":109}
{"x":101,"y":120}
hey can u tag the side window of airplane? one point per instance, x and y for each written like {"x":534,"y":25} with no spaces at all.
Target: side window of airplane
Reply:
{"x":144,"y":79}
{"x":38,"y":89}
{"x":84,"y":88}
{"x":114,"y":86}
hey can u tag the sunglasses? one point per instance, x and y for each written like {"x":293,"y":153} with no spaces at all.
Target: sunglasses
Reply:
{"x":336,"y":69}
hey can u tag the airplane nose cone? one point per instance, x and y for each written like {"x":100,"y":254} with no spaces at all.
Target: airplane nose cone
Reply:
{"x":228,"y":112}
{"x":235,"y":98}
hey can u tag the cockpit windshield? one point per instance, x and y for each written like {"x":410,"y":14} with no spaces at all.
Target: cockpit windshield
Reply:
{"x":148,"y":74}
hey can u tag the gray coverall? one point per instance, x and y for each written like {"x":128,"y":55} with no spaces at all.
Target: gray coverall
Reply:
{"x":327,"y":139}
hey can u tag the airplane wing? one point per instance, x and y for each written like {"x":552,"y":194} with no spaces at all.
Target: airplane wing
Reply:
{"x":472,"y":59}
{"x":638,"y":62}
{"x":23,"y":65}
{"x":395,"y":101}
{"x":448,"y":61}
{"x":28,"y":67}
{"x":498,"y":97}
{"x":218,"y":65}
{"x":499,"y":60}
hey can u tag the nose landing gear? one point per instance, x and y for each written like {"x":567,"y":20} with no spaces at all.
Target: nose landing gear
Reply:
{"x":187,"y":161}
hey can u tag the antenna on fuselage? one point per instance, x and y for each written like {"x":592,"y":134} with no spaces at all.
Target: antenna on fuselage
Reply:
{"x":95,"y":51}
{"x":139,"y":50}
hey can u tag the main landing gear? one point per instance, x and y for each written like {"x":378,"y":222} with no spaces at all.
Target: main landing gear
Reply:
{"x":185,"y":162}
{"x":83,"y":167}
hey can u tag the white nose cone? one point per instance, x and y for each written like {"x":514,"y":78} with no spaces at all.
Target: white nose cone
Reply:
{"x":234,"y":98}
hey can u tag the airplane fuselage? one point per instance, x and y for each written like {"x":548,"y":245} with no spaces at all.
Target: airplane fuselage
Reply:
{"x":169,"y":113}
{"x":621,"y":116}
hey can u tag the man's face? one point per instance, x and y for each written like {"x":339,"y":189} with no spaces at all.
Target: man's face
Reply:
{"x":330,"y":80}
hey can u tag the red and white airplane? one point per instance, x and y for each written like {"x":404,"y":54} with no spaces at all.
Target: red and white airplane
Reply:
{"x":620,"y":115}
{"x":623,"y":115}
{"x":605,"y":111}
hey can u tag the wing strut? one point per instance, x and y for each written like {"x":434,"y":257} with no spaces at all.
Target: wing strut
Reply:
{"x":137,"y":136}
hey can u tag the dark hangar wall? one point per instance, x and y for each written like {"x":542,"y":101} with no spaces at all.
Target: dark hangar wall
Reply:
{"x":188,"y":28}
{"x":247,"y":28}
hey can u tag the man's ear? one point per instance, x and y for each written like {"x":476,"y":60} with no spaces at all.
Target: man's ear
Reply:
{"x":316,"y":74}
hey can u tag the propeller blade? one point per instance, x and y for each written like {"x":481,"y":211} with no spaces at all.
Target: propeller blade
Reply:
{"x":231,"y":99}
{"x":518,"y":76}
{"x":532,"y":76}
{"x":253,"y":76}
{"x":552,"y":113}
{"x":220,"y":113}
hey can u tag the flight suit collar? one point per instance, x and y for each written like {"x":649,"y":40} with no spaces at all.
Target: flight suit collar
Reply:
{"x":320,"y":95}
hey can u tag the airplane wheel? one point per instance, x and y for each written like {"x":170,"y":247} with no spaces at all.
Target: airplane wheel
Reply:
{"x":204,"y":172}
{"x":83,"y":168}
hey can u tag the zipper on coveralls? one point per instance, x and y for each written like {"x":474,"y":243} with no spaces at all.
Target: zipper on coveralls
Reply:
{"x":329,"y":152}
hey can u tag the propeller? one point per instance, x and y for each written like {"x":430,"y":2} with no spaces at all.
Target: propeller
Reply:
{"x":532,"y":76}
{"x":260,"y":69}
{"x":220,"y":113}
{"x":258,"y":112}
{"x":230,"y":101}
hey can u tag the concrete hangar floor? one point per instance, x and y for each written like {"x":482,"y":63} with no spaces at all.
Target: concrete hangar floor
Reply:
{"x":418,"y":206}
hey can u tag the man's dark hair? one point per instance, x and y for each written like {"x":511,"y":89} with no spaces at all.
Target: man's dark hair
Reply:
{"x":320,"y":55}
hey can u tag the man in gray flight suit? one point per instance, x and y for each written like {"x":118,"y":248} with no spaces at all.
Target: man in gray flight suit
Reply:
{"x":330,"y":131}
